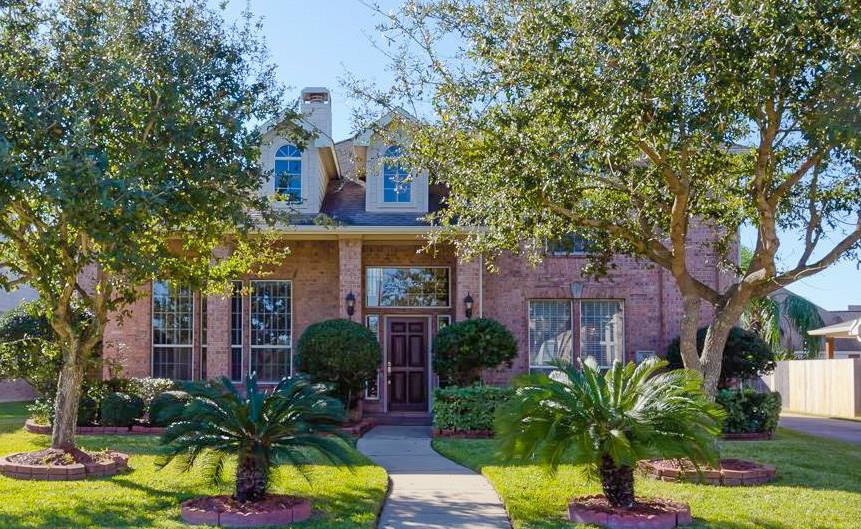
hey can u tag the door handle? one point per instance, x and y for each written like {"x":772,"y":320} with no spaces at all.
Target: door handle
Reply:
{"x":389,"y":368}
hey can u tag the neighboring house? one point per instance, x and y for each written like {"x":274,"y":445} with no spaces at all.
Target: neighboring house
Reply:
{"x":370,"y":246}
{"x":842,"y":347}
{"x":10,"y":300}
{"x":15,"y":390}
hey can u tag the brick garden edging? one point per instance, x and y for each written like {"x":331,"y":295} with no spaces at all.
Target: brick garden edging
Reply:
{"x":747,"y":436}
{"x":674,"y":514}
{"x":119,"y":463}
{"x":664,"y":470}
{"x":45,"y":429}
{"x":194,"y":515}
{"x":464,"y":434}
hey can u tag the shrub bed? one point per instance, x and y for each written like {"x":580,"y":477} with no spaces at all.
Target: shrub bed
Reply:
{"x":749,"y":412}
{"x":469,"y":409}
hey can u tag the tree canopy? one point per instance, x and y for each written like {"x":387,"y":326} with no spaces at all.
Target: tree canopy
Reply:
{"x":636,"y":124}
{"x":126,"y":153}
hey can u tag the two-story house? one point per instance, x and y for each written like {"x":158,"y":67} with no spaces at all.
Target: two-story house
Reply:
{"x":366,"y":264}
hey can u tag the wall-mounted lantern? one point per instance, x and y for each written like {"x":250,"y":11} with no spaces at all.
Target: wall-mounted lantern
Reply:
{"x":351,"y":304}
{"x":467,"y":303}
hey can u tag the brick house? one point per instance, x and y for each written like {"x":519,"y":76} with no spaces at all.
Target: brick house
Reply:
{"x":370,"y":248}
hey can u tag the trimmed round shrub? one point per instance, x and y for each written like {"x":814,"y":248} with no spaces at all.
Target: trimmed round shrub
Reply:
{"x":121,"y":409}
{"x":341,"y":353}
{"x":468,"y":409}
{"x":746,"y":355}
{"x":748,"y":411}
{"x":88,"y":411}
{"x":463,"y":349}
{"x":166,"y":407}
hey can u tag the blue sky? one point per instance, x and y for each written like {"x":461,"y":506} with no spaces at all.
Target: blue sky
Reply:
{"x":314,"y":43}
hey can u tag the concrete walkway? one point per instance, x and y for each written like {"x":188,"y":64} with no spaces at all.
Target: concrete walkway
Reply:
{"x":429,"y":491}
{"x":842,"y":430}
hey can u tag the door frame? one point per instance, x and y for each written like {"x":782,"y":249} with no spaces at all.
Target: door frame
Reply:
{"x":429,"y":319}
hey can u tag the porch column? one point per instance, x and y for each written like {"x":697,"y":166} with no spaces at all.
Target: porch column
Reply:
{"x":468,"y":281}
{"x":829,"y":347}
{"x":350,"y":276}
{"x":218,"y":326}
{"x":217,"y":336}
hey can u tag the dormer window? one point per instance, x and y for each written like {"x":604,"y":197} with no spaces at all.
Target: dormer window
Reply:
{"x":288,"y":172}
{"x":397,"y":187}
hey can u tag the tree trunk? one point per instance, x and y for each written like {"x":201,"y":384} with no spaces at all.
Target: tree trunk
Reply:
{"x":688,"y":333}
{"x":66,"y":401}
{"x":715,"y":341}
{"x":617,"y":482}
{"x":252,"y":473}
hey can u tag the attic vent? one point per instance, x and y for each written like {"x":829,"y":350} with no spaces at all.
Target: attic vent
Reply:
{"x":316,"y":97}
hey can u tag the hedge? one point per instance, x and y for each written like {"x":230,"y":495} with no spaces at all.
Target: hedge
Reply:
{"x":121,"y":409}
{"x":749,"y":411}
{"x":469,"y":408}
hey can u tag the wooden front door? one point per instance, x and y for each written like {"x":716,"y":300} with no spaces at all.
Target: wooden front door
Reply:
{"x":407,"y":364}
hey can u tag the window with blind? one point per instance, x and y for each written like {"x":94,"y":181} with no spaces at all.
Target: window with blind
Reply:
{"x":601,"y":331}
{"x":172,"y":331}
{"x":550,"y":333}
{"x":236,"y":332}
{"x":271,"y":330}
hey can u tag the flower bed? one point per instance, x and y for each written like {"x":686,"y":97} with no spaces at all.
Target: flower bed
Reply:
{"x":63,"y":465}
{"x":45,"y":429}
{"x":654,"y":513}
{"x":732,"y":472}
{"x":224,"y":511}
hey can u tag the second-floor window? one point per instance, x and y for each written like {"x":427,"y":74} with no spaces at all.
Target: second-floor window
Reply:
{"x":288,"y":172}
{"x":397,"y":187}
{"x":571,"y":244}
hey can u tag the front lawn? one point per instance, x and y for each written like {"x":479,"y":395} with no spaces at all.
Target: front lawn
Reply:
{"x":818,"y":486}
{"x":149,"y":498}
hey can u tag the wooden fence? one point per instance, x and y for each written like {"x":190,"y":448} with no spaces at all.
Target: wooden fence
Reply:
{"x":821,"y":387}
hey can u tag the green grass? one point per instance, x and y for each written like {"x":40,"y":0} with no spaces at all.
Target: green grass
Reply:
{"x":818,"y":486}
{"x":12,"y":414}
{"x":150,"y":498}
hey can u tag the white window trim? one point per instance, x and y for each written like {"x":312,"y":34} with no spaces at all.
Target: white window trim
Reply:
{"x":571,"y":319}
{"x":443,"y":317}
{"x":413,"y":201}
{"x":251,"y":345}
{"x":550,"y":253}
{"x":404,"y":307}
{"x":153,"y":345}
{"x":302,"y":179}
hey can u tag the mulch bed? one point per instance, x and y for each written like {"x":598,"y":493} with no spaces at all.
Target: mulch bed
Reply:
{"x":653,"y":513}
{"x":224,"y":511}
{"x":360,"y":428}
{"x":463,"y":434}
{"x":732,"y":472}
{"x":53,"y":464}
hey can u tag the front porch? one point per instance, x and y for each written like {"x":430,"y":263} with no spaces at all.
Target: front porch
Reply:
{"x":400,"y":291}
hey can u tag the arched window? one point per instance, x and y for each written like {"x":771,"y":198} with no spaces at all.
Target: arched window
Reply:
{"x":397,"y":187}
{"x":288,"y":172}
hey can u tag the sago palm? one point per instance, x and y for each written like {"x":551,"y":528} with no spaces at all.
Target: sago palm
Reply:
{"x":261,"y":429}
{"x":609,"y":421}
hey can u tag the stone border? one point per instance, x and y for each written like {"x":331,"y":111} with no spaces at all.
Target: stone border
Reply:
{"x":196,"y":516}
{"x":679,"y":514}
{"x":463,"y":434}
{"x":77,"y":471}
{"x":748,"y":436}
{"x":45,"y":429}
{"x":723,"y":477}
